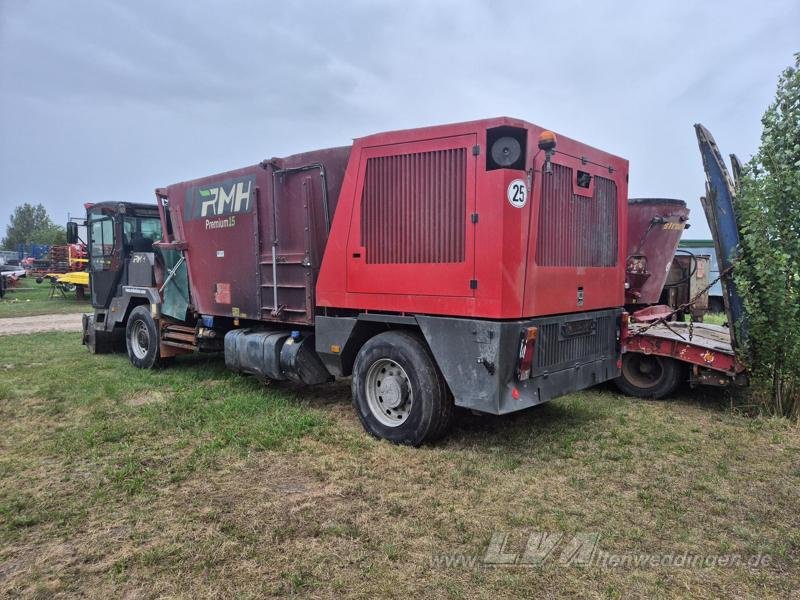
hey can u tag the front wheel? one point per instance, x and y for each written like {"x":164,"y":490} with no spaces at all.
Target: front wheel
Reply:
{"x":398,"y":392}
{"x":648,"y":375}
{"x":142,"y":340}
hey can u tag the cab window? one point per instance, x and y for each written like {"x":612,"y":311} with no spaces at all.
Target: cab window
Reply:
{"x":141,"y":232}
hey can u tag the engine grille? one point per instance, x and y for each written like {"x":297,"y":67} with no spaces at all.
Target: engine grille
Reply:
{"x":414,"y":208}
{"x":556,"y":347}
{"x":576,"y":231}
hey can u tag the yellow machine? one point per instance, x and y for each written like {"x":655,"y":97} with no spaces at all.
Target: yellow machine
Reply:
{"x":77,"y":281}
{"x":72,"y":278}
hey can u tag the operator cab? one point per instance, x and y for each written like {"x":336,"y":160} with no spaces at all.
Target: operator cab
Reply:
{"x":115,"y":231}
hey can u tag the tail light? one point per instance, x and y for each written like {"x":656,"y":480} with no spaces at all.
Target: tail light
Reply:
{"x":527,"y":350}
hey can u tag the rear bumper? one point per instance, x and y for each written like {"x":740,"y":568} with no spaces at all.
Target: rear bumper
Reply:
{"x":478,"y":358}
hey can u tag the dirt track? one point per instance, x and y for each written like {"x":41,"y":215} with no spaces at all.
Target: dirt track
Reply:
{"x":18,"y":325}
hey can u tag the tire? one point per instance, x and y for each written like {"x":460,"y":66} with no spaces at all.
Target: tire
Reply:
{"x":414,"y":405}
{"x":142,"y":339}
{"x":648,"y":375}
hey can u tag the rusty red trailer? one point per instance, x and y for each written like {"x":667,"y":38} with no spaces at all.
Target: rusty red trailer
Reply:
{"x":658,"y":356}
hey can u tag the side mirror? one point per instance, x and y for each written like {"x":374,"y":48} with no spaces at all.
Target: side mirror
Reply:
{"x":72,"y":232}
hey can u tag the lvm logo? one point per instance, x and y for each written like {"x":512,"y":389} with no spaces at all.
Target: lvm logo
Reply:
{"x":229,"y":197}
{"x":582,"y":550}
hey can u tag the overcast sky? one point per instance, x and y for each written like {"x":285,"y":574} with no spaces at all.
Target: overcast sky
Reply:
{"x":109,"y":100}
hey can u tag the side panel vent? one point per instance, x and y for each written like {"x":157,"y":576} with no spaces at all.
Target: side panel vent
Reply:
{"x":556,"y":350}
{"x":414,"y":208}
{"x":576,"y":231}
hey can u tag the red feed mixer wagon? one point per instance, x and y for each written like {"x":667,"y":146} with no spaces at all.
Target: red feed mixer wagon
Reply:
{"x":655,"y":226}
{"x":478,"y":264}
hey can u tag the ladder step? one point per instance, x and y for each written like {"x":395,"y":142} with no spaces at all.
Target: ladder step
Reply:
{"x":179,"y":345}
{"x":181,"y":337}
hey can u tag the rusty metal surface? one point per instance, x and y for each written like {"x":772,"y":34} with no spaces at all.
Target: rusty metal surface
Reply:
{"x":655,"y":226}
{"x":706,"y":335}
{"x":228,"y":225}
{"x":708,"y":345}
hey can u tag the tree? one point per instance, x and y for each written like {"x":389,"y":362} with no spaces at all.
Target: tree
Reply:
{"x":768,"y":273}
{"x":32,"y":225}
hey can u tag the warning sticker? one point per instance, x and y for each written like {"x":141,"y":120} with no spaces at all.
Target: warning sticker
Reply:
{"x":517,"y":193}
{"x":222,"y":293}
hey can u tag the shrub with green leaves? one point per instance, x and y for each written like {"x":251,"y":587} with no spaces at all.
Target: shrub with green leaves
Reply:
{"x":768,"y":272}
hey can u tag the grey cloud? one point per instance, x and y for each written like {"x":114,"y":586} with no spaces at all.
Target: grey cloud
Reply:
{"x":108,"y":100}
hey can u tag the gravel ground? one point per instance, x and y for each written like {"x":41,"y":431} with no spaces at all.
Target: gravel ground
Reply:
{"x":18,"y":325}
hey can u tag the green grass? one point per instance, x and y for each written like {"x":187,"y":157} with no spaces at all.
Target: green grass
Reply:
{"x":30,"y":299}
{"x":193,"y":481}
{"x":715,"y":318}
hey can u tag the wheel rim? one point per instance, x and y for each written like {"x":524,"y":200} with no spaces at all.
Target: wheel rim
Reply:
{"x":389,"y":393}
{"x":140,"y":339}
{"x":642,"y":370}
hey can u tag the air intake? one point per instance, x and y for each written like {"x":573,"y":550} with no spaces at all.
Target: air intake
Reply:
{"x":575,"y":230}
{"x":414,"y":208}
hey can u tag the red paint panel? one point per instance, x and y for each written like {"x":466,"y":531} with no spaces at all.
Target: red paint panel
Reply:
{"x":576,"y":230}
{"x":500,"y":248}
{"x":228,"y":245}
{"x":582,"y":244}
{"x":414,"y":208}
{"x":220,"y":236}
{"x":408,"y":231}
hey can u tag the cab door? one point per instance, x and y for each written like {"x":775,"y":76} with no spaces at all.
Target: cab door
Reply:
{"x":104,"y":257}
{"x":410,"y":231}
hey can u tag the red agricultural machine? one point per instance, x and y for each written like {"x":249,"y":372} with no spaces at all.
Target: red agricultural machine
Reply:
{"x":480,"y":265}
{"x":65,"y":268}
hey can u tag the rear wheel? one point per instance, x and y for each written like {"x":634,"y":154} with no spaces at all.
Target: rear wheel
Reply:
{"x":398,"y":392}
{"x":648,"y":376}
{"x":142,"y":340}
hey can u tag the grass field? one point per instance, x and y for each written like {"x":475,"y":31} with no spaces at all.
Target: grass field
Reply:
{"x":31,"y":298}
{"x":195,"y":482}
{"x":715,"y":318}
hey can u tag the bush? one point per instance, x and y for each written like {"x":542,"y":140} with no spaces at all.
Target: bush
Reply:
{"x":768,"y":272}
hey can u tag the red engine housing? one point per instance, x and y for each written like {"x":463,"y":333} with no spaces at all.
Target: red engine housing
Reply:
{"x":424,"y":225}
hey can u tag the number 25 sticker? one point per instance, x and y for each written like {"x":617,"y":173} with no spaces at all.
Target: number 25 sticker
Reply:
{"x":517,"y":193}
